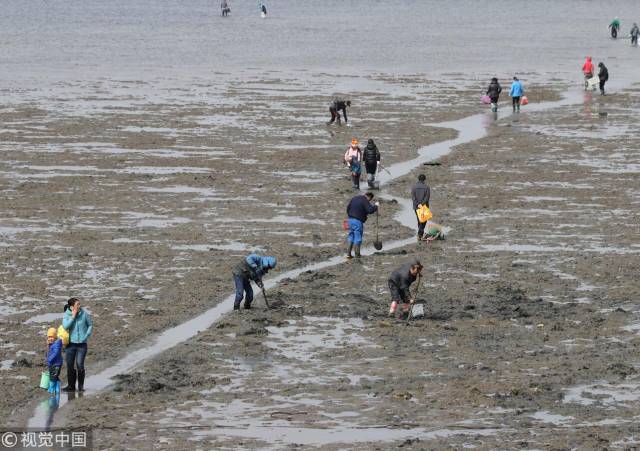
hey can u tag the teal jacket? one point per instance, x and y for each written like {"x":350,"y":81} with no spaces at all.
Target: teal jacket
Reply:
{"x":80,"y":327}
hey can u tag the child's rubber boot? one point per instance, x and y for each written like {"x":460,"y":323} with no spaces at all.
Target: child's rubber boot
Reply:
{"x":392,"y":309}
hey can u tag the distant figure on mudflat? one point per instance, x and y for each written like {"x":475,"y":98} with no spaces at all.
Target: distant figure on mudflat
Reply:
{"x":615,"y":28}
{"x":335,"y":108}
{"x":635,"y":31}
{"x":371,"y":157}
{"x":587,"y":70}
{"x":603,"y":75}
{"x":516,"y":92}
{"x":493,"y":91}
{"x":264,"y":11}
{"x":224,"y":6}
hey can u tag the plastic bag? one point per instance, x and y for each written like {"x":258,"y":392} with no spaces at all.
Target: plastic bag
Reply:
{"x":424,"y":214}
{"x":524,"y":100}
{"x":63,"y":334}
{"x":485,"y":99}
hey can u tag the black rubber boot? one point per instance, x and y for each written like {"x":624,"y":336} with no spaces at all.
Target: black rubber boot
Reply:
{"x":349,"y":250}
{"x":236,"y":305}
{"x":247,"y":305}
{"x":80,"y":380}
{"x":71,"y":380}
{"x":357,"y":248}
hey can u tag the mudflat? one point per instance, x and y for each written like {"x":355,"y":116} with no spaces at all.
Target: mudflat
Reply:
{"x":530,"y":334}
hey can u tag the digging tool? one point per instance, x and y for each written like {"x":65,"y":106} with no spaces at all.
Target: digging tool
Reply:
{"x":377,"y":243}
{"x":414,"y":297}
{"x":383,"y":168}
{"x":264,"y":294}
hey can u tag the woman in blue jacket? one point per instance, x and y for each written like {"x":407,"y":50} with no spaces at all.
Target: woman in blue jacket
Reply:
{"x":80,"y":326}
{"x":517,"y":91}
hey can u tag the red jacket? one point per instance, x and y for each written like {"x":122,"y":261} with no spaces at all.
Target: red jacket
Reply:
{"x":587,"y":67}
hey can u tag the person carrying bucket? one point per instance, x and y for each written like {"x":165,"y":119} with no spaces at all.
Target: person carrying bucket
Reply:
{"x":251,"y":268}
{"x":54,"y":360}
{"x":587,"y":70}
{"x":400,"y":282}
{"x":358,"y":209}
{"x":516,"y":92}
{"x":420,"y":194}
{"x":493,"y":91}
{"x":371,"y":157}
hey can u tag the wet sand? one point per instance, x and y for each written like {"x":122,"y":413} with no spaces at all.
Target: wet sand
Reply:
{"x":529,"y":336}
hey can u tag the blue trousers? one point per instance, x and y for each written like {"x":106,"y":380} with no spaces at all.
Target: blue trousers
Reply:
{"x":356,"y":230}
{"x":243,"y":285}
{"x":75,"y":354}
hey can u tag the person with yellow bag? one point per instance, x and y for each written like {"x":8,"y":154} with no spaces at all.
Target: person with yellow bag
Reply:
{"x":420,"y":194}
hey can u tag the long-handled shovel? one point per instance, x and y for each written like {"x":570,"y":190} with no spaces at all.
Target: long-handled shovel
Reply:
{"x":384,"y":169}
{"x":414,"y":298}
{"x":264,"y":294}
{"x":377,"y":243}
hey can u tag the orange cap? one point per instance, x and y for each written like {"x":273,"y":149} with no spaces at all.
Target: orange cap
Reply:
{"x":354,"y":142}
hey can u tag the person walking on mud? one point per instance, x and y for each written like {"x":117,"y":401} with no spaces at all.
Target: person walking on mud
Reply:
{"x":587,"y":70}
{"x":516,"y":92}
{"x":635,"y":31}
{"x":358,"y":209}
{"x":493,"y":91}
{"x":80,"y":326}
{"x":224,"y":7}
{"x":335,"y":108}
{"x":400,"y":282}
{"x":251,"y":268}
{"x":603,"y":76}
{"x":371,"y":156}
{"x":420,"y":194}
{"x":353,"y":157}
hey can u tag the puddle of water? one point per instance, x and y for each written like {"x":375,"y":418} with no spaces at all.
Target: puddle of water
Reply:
{"x":603,"y":393}
{"x":45,"y":318}
{"x":6,"y":364}
{"x":233,"y":246}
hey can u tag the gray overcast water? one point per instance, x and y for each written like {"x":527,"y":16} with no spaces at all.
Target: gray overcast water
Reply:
{"x":88,"y":39}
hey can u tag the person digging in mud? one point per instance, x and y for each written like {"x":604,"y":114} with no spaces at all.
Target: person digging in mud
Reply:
{"x":371,"y":157}
{"x":335,"y":108}
{"x":356,"y":170}
{"x":603,"y":76}
{"x":251,"y":268}
{"x":420,"y":194}
{"x":358,"y":209}
{"x":433,"y":232}
{"x":400,"y":282}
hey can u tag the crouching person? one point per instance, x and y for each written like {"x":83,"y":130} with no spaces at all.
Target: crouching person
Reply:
{"x":54,"y":360}
{"x":252,"y":268}
{"x":399,"y":284}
